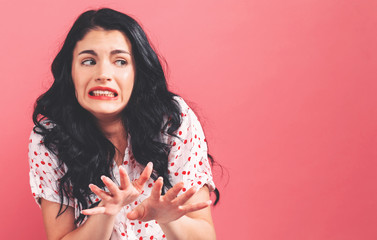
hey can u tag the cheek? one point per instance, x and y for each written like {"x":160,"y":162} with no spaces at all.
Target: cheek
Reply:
{"x":131,"y":83}
{"x":78,"y":78}
{"x":132,"y":80}
{"x":128,"y":84}
{"x":79,"y":85}
{"x":79,"y":91}
{"x":130,"y":87}
{"x":74,"y":80}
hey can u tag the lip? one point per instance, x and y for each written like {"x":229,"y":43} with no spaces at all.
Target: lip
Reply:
{"x":103,"y":97}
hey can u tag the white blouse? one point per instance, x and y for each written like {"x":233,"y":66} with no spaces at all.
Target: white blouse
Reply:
{"x":188,"y":163}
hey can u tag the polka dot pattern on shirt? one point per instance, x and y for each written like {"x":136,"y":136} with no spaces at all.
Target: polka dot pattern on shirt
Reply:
{"x":187,"y":163}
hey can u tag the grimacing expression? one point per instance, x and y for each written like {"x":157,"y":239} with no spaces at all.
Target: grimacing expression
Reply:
{"x":103,"y":72}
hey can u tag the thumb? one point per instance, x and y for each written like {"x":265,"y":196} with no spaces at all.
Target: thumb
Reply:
{"x":136,"y":213}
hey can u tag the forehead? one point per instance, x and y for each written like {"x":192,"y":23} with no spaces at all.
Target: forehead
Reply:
{"x":103,"y":40}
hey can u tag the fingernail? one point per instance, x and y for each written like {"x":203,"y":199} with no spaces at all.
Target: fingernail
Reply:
{"x":150,"y":164}
{"x":209,"y":202}
{"x":160,"y":178}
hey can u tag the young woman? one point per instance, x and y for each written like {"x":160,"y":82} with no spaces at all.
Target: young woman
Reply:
{"x":114,"y":154}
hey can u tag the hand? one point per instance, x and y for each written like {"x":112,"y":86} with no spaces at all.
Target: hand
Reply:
{"x":117,"y":197}
{"x":166,"y":208}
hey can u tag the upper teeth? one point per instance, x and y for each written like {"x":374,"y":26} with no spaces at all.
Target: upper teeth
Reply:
{"x":103,"y":93}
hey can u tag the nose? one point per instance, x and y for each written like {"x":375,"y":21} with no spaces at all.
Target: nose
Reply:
{"x":104,"y":72}
{"x":103,"y":77}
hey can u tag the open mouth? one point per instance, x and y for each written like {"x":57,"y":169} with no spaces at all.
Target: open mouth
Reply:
{"x":103,"y":93}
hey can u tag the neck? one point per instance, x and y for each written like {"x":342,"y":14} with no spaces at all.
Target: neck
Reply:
{"x":114,"y":130}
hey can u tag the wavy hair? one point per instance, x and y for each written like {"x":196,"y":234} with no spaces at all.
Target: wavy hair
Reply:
{"x":77,"y":140}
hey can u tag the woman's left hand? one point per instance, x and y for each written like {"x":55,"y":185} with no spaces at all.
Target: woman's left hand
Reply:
{"x":166,"y":208}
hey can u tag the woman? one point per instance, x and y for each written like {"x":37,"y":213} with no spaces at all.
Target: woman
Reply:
{"x":111,"y":142}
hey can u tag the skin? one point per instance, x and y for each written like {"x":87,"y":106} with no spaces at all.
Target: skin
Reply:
{"x":104,"y":58}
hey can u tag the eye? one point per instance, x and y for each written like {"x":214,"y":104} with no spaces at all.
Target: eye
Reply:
{"x":121,"y":62}
{"x":88,"y":62}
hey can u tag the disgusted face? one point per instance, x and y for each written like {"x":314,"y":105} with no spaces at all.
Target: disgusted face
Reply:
{"x":103,"y":72}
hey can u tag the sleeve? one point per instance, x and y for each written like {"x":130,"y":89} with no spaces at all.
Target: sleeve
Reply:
{"x":44,"y":172}
{"x":188,"y":159}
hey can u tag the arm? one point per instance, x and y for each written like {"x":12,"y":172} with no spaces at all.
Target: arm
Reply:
{"x":101,"y":225}
{"x":63,"y":227}
{"x":193,"y":225}
{"x":188,"y":163}
{"x":187,"y":216}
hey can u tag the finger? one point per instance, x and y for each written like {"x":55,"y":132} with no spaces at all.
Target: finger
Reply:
{"x":113,"y":188}
{"x":173,"y":192}
{"x":93,"y":211}
{"x":195,"y":206}
{"x":124,"y":179}
{"x":156,"y":190}
{"x":137,"y":213}
{"x":144,"y":176}
{"x":99,"y":192}
{"x":182,"y":199}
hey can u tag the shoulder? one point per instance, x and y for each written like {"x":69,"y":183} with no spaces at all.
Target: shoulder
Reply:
{"x":37,"y":132}
{"x":182,"y":103}
{"x":43,"y":163}
{"x":45,"y":170}
{"x":41,"y":128}
{"x":187,"y":113}
{"x":188,"y":159}
{"x":37,"y":148}
{"x":190,"y":134}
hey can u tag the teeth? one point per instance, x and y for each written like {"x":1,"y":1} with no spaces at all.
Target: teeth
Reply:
{"x":103,"y":93}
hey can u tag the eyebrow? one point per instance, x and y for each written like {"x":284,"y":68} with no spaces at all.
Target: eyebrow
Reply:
{"x":113,"y":52}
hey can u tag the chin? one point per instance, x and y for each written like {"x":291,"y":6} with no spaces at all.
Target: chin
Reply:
{"x":106,"y":115}
{"x":104,"y":112}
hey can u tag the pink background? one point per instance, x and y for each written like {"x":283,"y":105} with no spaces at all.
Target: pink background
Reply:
{"x":286,"y":92}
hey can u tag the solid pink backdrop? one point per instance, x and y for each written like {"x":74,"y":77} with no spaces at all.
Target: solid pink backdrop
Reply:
{"x":286,"y":92}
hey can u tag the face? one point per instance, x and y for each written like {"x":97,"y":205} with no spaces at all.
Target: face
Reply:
{"x":103,"y":72}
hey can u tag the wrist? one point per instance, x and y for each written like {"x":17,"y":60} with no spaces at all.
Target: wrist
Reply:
{"x":169,"y":224}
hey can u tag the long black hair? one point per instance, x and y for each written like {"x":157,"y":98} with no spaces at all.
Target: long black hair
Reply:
{"x":77,"y":140}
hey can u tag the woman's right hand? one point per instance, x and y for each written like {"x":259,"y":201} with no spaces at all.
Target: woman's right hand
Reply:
{"x":118,"y":196}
